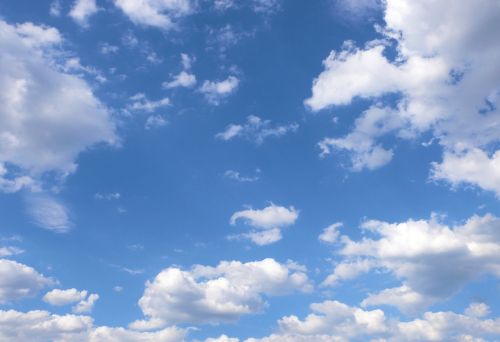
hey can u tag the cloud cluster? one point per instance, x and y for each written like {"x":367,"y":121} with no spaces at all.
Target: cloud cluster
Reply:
{"x":216,"y":91}
{"x":432,"y":260}
{"x":267,"y":223}
{"x":223,"y":293}
{"x":444,"y":75}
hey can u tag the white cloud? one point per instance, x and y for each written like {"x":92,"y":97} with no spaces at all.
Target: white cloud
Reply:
{"x":471,"y":167}
{"x":111,"y":196}
{"x":84,"y":301}
{"x":335,"y":321}
{"x":49,"y":213}
{"x":107,"y":49}
{"x":216,"y":91}
{"x":183,"y":79}
{"x":223,"y":293}
{"x":55,"y":8}
{"x":256,"y":129}
{"x":86,"y":305}
{"x":42,"y":326}
{"x":19,"y":281}
{"x":433,"y":261}
{"x":268,"y":222}
{"x":47,"y":116}
{"x":157,"y":13}
{"x":445,"y":77}
{"x":82,"y":10}
{"x":10,"y":251}
{"x":259,"y":6}
{"x":330,"y":234}
{"x":141,"y":103}
{"x":59,"y":297}
{"x":237,"y":176}
{"x":222,"y":338}
{"x":155,"y":121}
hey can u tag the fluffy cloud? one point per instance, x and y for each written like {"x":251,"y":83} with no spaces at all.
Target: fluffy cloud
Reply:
{"x":155,"y":121}
{"x":268,"y":222}
{"x":223,"y":293}
{"x":82,"y":10}
{"x":238,"y":177}
{"x":157,"y":13}
{"x":10,"y":251}
{"x":471,"y":167}
{"x":330,"y":234}
{"x":41,"y":326}
{"x":256,"y":129}
{"x":216,"y":91}
{"x":85,"y":302}
{"x":47,"y":116}
{"x":335,"y":321}
{"x":445,"y":77}
{"x":19,"y":281}
{"x":432,"y":260}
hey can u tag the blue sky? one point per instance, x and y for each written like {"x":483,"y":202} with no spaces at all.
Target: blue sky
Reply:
{"x":261,"y":170}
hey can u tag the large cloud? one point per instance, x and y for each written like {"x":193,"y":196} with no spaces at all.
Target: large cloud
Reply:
{"x":19,"y":281}
{"x":432,"y":260}
{"x":223,"y":293}
{"x":42,"y":326}
{"x":445,"y":75}
{"x":335,"y":321}
{"x":47,"y":117}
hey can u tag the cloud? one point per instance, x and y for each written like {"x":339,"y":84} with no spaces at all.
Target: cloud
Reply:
{"x":85,"y":301}
{"x":41,"y":326}
{"x":55,"y":8}
{"x":236,"y":176}
{"x":217,"y":294}
{"x":82,"y":10}
{"x":162,"y":14}
{"x":48,"y":117}
{"x":140,"y":103}
{"x":336,"y":321}
{"x":216,"y":91}
{"x":183,"y":79}
{"x":330,"y":234}
{"x":256,"y":129}
{"x":268,"y":223}
{"x":49,"y":213}
{"x":155,"y":121}
{"x":444,"y":78}
{"x":433,"y":261}
{"x":111,"y":196}
{"x":474,"y":167}
{"x":10,"y":251}
{"x":19,"y":281}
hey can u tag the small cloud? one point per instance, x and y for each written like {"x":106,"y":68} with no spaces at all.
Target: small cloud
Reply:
{"x":112,"y":196}
{"x":49,"y":213}
{"x":236,"y":176}
{"x":216,"y":91}
{"x":155,"y":121}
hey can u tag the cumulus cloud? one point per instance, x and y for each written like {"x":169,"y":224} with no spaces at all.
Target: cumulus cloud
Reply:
{"x":336,"y":321}
{"x":432,"y":260}
{"x":10,"y":251}
{"x":82,"y":10}
{"x":185,"y":78}
{"x":444,"y":76}
{"x":256,"y":129}
{"x":268,"y":222}
{"x":155,"y":121}
{"x":223,"y":293}
{"x":42,"y":326}
{"x":48,"y":117}
{"x":19,"y":281}
{"x":162,"y":14}
{"x":85,"y":301}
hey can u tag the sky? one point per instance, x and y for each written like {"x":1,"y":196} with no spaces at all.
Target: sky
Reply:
{"x":249,"y":170}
